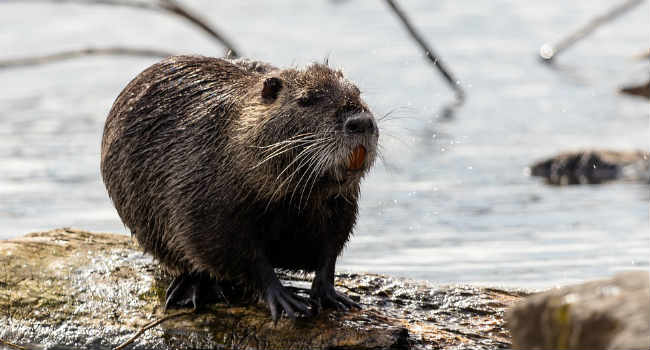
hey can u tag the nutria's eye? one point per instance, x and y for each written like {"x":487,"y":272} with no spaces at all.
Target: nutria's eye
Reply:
{"x":309,"y":100}
{"x":272,"y":87}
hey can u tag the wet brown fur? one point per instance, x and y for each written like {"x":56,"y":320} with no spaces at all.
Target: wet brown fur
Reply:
{"x":194,"y":161}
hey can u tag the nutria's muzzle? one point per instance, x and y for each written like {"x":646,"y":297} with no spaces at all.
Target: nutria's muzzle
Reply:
{"x":361,"y":136}
{"x":360,"y":123}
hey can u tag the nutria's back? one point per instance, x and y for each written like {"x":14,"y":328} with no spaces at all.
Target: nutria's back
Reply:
{"x":227,"y":168}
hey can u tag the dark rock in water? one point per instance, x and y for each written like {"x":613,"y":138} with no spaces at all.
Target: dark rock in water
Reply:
{"x":638,"y":90}
{"x":593,"y":167}
{"x":608,"y":314}
{"x":75,"y":289}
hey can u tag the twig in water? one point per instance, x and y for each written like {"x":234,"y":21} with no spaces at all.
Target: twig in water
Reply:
{"x":548,"y":51}
{"x":66,"y":55}
{"x":11,"y":345}
{"x":431,"y":55}
{"x":151,"y":325}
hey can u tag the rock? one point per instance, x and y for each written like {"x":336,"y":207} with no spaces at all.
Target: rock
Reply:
{"x":75,"y":289}
{"x":593,"y":167}
{"x":608,"y":314}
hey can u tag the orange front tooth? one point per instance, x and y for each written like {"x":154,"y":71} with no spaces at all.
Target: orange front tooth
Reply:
{"x":357,"y":157}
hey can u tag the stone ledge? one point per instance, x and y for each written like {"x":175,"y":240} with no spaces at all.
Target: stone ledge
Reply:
{"x":76,"y":289}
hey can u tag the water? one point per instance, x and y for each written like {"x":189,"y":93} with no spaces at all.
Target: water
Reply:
{"x":451,"y":203}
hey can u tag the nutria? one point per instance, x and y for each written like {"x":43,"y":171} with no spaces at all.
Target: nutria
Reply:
{"x":225,"y":170}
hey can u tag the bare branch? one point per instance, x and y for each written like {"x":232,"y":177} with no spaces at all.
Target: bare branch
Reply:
{"x":66,"y":55}
{"x":169,"y":6}
{"x":548,"y":51}
{"x":144,"y":5}
{"x":175,"y":8}
{"x":435,"y":59}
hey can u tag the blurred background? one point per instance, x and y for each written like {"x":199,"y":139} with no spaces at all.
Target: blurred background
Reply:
{"x":452,"y":200}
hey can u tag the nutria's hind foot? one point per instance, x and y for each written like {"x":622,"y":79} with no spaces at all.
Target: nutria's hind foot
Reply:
{"x":280,"y":299}
{"x":193,"y":290}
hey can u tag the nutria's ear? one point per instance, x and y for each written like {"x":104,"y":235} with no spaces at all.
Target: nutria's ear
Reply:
{"x":272,"y":87}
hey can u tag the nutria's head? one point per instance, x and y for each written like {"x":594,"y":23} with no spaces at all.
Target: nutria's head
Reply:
{"x":309,"y":132}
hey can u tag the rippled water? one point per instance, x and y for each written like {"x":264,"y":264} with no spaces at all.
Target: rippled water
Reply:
{"x":451,"y":203}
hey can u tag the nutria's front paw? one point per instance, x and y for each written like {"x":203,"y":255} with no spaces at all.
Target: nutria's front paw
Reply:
{"x":323,"y":295}
{"x":280,"y":299}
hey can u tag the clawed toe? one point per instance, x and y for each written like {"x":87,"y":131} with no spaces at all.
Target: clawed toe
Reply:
{"x":281,"y":300}
{"x":330,"y":298}
{"x":346,"y":301}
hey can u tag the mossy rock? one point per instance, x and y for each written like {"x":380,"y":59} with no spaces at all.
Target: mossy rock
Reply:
{"x":75,"y":289}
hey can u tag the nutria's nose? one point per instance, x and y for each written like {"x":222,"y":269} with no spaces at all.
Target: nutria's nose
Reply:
{"x":360,"y":124}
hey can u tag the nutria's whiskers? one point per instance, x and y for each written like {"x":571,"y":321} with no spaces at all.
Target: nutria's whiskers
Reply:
{"x":317,"y":169}
{"x":287,"y":146}
{"x":304,"y":157}
{"x":289,"y":140}
{"x":300,"y":157}
{"x":286,"y":180}
{"x":315,"y":157}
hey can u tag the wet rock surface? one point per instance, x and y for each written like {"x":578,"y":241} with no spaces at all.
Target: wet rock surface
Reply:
{"x":607,"y":314}
{"x":73,"y":289}
{"x":594,"y":167}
